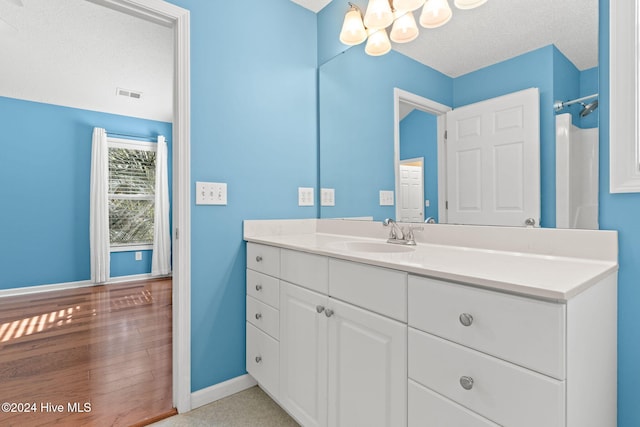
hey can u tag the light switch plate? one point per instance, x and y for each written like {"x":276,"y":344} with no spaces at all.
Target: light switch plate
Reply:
{"x":386,"y":198}
{"x":305,"y":196}
{"x":327,"y":197}
{"x":211,"y":193}
{"x":427,"y":203}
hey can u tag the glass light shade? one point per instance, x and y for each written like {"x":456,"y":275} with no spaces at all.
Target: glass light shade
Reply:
{"x":353,"y":31}
{"x":378,"y":43}
{"x":435,"y":13}
{"x":404,"y":29}
{"x":407,"y":5}
{"x":378,"y":15}
{"x":468,"y":4}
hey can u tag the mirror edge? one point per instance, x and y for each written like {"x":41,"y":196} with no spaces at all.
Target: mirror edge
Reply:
{"x":624,"y":173}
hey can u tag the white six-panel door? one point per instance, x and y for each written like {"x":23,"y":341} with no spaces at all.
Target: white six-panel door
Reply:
{"x":493,"y":161}
{"x":411,"y":197}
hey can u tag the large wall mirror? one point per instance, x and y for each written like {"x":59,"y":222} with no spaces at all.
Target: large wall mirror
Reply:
{"x":366,"y":132}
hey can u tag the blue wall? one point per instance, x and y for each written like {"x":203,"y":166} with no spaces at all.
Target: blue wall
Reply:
{"x":356,"y":125}
{"x":45,"y":170}
{"x":253,"y":126}
{"x":419,"y":138}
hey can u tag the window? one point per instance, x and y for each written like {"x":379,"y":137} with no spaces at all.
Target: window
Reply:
{"x":132,"y":178}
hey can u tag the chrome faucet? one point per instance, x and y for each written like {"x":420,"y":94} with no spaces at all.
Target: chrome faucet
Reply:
{"x":396,"y":235}
{"x":400,"y":235}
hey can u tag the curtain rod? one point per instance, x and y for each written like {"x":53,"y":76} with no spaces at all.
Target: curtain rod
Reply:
{"x":127,"y":135}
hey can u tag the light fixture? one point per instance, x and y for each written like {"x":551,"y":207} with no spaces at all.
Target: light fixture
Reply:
{"x":353,"y":31}
{"x":468,"y":4}
{"x":378,"y":43}
{"x":435,"y":13}
{"x":381,"y":14}
{"x":404,"y":28}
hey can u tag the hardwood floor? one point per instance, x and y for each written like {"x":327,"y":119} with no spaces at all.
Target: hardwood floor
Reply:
{"x":95,"y":356}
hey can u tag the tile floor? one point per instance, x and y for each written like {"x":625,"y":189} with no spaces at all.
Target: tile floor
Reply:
{"x":249,"y":408}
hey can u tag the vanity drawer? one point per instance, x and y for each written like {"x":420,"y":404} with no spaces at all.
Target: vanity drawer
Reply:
{"x":502,"y":392}
{"x":264,"y":317}
{"x":263,"y":359}
{"x":306,"y":270}
{"x":527,"y":332}
{"x":262,"y":258}
{"x":378,"y":289}
{"x":427,"y":408}
{"x":263,"y":288}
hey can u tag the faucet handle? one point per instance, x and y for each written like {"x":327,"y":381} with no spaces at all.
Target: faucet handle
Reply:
{"x":411,"y":240}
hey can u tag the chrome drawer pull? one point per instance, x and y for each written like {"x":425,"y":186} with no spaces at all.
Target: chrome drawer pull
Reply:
{"x":258,"y":316}
{"x":258,"y":359}
{"x":466,"y":382}
{"x":259,"y":258}
{"x":258,"y":287}
{"x":319,"y":308}
{"x":466,"y":319}
{"x":328,"y":312}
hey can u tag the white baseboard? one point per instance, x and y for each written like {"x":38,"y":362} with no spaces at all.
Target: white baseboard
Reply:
{"x":44,"y":288}
{"x":131,"y":278}
{"x":73,"y":285}
{"x":222,"y":390}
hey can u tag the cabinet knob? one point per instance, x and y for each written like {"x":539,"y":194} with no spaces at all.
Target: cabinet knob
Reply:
{"x":466,"y":319}
{"x":319,"y":308}
{"x":259,"y":258}
{"x":258,"y":316}
{"x":258,"y":359}
{"x":258,"y":287}
{"x":328,"y":312}
{"x":466,"y":382}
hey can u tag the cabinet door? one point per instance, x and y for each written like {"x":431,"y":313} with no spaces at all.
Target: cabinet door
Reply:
{"x":303,"y":354}
{"x":367,"y":368}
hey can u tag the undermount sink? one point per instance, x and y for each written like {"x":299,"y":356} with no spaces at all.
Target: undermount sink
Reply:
{"x":377,"y":247}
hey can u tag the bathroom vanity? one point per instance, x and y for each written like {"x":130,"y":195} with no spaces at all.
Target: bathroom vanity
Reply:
{"x":473,"y":326}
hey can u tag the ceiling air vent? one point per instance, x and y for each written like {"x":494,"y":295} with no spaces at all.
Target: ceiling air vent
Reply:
{"x":129,"y":93}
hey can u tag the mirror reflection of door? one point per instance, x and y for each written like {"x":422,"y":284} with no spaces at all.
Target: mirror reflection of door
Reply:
{"x":411,"y":191}
{"x":418,"y":175}
{"x":493,"y":161}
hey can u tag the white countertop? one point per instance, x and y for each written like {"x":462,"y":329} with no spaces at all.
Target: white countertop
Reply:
{"x":531,"y":274}
{"x":549,"y":277}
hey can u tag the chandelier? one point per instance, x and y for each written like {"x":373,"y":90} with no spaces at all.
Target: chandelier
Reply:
{"x":381,"y":14}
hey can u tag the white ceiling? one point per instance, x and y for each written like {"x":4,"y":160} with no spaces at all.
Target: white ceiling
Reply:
{"x":76,"y":53}
{"x":503,"y":29}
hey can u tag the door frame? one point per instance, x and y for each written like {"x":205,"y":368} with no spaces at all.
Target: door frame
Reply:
{"x":431,"y":107}
{"x":172,"y":16}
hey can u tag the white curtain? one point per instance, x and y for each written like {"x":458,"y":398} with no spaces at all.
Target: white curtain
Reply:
{"x":161,"y":257}
{"x":99,"y":208}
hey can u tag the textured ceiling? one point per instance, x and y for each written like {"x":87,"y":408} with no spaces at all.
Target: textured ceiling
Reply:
{"x":76,"y":53}
{"x":502,"y":29}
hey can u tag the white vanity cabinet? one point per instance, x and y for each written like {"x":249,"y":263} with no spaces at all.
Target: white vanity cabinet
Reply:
{"x":358,"y":344}
{"x":491,"y":358}
{"x":263,"y":316}
{"x":341,"y":362}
